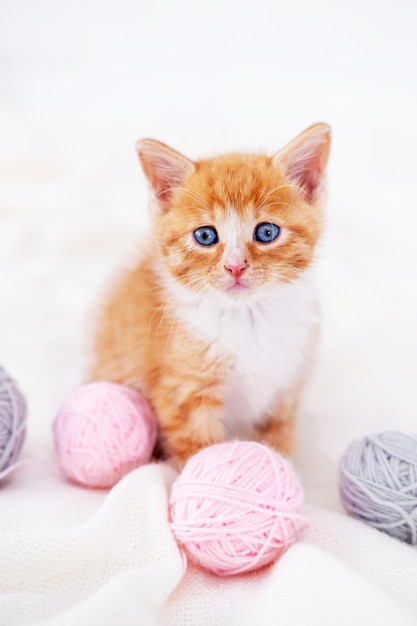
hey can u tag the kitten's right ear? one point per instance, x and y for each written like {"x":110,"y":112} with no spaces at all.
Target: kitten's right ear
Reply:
{"x":165,"y":168}
{"x":304,"y":159}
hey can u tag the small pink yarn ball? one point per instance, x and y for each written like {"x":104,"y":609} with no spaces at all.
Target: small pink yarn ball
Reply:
{"x":236,"y":507}
{"x":102,"y":432}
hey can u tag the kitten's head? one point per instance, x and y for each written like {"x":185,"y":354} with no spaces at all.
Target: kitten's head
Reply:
{"x":238,"y":223}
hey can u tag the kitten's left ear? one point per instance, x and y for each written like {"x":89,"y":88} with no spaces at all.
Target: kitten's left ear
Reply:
{"x":304,"y":159}
{"x":164,"y":168}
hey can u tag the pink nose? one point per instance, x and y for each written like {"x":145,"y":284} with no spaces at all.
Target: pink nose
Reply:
{"x":236,"y":269}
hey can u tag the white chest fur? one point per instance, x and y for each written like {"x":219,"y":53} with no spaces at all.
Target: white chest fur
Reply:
{"x":266,"y":341}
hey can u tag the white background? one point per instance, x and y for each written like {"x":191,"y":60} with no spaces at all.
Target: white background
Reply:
{"x":80,"y":81}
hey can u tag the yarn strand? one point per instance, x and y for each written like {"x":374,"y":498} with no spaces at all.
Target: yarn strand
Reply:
{"x":12,"y":423}
{"x":378,"y":483}
{"x":235,"y":507}
{"x":103,"y":431}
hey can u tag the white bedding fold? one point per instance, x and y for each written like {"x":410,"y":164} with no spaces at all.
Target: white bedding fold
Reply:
{"x":121,"y":565}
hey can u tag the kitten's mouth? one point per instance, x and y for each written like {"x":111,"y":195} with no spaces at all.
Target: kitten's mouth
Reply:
{"x":237,"y":287}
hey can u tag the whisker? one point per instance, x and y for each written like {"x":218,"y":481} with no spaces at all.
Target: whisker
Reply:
{"x":266,"y":197}
{"x":201,"y":200}
{"x":280,"y":203}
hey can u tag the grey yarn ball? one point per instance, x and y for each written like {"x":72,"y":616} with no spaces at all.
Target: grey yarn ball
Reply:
{"x":378,"y":483}
{"x":12,"y":421}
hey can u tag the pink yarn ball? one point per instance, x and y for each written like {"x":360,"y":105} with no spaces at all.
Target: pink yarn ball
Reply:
{"x":102,"y":432}
{"x":235,"y":507}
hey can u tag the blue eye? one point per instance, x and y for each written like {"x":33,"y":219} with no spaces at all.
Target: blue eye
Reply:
{"x":206,"y":236}
{"x":266,"y":232}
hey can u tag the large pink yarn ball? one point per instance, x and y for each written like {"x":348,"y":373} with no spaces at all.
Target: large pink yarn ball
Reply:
{"x":102,"y":432}
{"x":236,"y":507}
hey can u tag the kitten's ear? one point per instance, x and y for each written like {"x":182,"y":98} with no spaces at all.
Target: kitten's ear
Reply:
{"x":164,"y":168}
{"x":304,"y":159}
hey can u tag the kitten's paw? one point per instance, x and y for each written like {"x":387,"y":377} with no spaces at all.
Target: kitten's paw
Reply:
{"x":279,"y":435}
{"x":182,"y":449}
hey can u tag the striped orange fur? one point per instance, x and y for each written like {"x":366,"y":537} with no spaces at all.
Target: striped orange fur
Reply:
{"x":220,"y":338}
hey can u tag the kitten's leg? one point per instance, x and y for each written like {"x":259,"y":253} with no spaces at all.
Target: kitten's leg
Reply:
{"x":189,"y":424}
{"x":278,"y":429}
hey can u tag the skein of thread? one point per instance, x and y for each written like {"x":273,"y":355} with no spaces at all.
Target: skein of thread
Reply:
{"x":236,"y":507}
{"x":378,"y":483}
{"x":12,"y":423}
{"x":103,"y":431}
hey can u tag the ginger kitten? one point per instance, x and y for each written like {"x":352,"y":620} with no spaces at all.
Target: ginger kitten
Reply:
{"x":217,"y":323}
